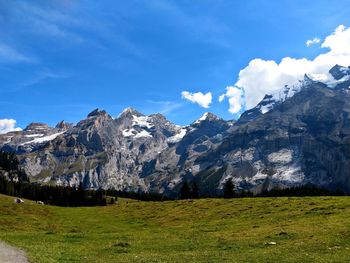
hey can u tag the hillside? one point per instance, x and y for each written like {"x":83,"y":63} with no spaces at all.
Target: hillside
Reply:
{"x":209,"y":230}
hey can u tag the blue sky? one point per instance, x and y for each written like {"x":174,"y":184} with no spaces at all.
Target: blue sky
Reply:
{"x":61,"y":59}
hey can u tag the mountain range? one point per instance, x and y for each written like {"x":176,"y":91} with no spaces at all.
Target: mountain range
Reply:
{"x":298,"y":135}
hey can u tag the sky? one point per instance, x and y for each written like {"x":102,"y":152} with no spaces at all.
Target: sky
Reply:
{"x":60,"y":59}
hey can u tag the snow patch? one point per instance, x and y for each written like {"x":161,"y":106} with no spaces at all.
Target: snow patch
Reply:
{"x":177,"y":137}
{"x":44,"y":139}
{"x":278,"y":96}
{"x":203,"y":118}
{"x":135,"y":133}
{"x":128,"y":133}
{"x":34,"y":135}
{"x":143,"y":134}
{"x":142,"y":121}
{"x":266,"y":108}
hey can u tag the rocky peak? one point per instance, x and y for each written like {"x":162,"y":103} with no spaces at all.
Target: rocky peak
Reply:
{"x":338,"y":72}
{"x":208,"y":125}
{"x":97,"y":112}
{"x":95,"y":119}
{"x":36,"y":126}
{"x":62,"y":125}
{"x":208,"y":116}
{"x":307,"y":80}
{"x":129,"y":113}
{"x":158,"y":118}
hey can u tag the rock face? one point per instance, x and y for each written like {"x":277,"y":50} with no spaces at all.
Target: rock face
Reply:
{"x":295,"y":136}
{"x":304,"y":140}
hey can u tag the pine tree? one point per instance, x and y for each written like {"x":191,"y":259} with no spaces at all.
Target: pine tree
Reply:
{"x":229,"y":189}
{"x":185,"y":192}
{"x":194,"y":193}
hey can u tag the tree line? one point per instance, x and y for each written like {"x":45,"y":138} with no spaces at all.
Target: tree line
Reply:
{"x":191,"y":191}
{"x":54,"y":195}
{"x":14,"y":182}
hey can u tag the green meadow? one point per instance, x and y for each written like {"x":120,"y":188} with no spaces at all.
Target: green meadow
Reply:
{"x":309,"y":229}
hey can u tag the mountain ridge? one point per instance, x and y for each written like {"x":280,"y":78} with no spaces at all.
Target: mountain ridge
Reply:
{"x":298,"y":135}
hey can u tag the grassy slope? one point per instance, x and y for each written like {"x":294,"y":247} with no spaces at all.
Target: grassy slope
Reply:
{"x":213,"y":230}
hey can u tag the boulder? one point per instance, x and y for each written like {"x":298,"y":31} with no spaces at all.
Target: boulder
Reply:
{"x":18,"y":201}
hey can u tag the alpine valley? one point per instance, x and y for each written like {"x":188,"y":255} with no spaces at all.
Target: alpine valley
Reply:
{"x":296,"y":136}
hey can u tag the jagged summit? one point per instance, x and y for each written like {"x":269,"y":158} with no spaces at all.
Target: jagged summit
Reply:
{"x":338,"y":72}
{"x":62,"y":125}
{"x":97,"y":112}
{"x":208,"y":116}
{"x":129,"y":112}
{"x":157,"y":115}
{"x":36,"y":126}
{"x":307,"y":79}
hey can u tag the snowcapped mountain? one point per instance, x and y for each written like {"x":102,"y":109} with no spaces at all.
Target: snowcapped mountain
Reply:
{"x":135,"y":125}
{"x":338,"y":76}
{"x":297,"y":135}
{"x":101,"y":151}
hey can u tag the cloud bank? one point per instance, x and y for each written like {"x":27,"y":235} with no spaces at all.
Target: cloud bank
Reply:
{"x":203,"y":100}
{"x":7,"y":125}
{"x":261,"y":76}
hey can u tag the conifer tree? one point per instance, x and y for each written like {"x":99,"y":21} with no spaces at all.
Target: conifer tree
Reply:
{"x":195,"y":191}
{"x":229,"y":189}
{"x":185,"y":192}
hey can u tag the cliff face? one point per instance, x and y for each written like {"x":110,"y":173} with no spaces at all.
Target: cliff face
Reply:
{"x":295,"y":136}
{"x":303,"y":140}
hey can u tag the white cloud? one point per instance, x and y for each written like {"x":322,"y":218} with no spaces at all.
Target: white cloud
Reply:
{"x":261,"y":77}
{"x":7,"y":125}
{"x":235,"y":98}
{"x":339,"y":41}
{"x":222,"y":97}
{"x":203,"y":100}
{"x":311,"y":42}
{"x":9,"y":54}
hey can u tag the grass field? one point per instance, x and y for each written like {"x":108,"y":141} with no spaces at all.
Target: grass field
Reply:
{"x":312,"y":229}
